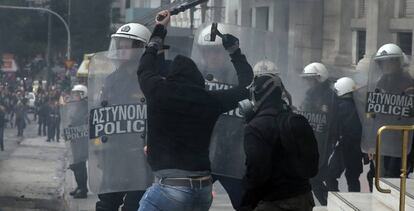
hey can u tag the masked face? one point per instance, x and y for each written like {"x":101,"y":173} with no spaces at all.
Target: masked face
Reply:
{"x":262,"y":86}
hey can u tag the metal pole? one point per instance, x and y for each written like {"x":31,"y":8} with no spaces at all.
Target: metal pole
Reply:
{"x":69,"y":11}
{"x":403,"y":176}
{"x":49,"y":11}
{"x":49,"y":39}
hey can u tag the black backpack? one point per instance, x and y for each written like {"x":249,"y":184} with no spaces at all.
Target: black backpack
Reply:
{"x":301,"y":148}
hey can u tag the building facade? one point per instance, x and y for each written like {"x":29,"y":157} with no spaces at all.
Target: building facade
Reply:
{"x":343,"y":34}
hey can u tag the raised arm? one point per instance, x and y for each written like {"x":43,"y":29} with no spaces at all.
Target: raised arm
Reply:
{"x":229,"y":98}
{"x":148,"y":75}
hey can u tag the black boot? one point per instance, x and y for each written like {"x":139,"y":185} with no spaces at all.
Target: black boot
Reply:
{"x":72,"y":193}
{"x":81,"y":194}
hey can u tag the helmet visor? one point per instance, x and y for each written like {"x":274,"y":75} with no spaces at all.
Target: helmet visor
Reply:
{"x":76,"y":95}
{"x":120,"y":43}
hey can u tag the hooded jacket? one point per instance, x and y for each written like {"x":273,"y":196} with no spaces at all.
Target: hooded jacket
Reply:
{"x":266,"y":177}
{"x":182,"y":113}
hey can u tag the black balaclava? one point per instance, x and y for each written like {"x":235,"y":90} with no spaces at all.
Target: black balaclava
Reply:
{"x":184,"y":70}
{"x":275,"y":97}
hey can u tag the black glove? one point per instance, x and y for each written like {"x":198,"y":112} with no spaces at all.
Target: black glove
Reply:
{"x":159,"y":31}
{"x":230,"y":43}
{"x":157,"y":37}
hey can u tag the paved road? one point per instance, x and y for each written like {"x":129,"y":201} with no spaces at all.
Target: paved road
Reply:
{"x":34,"y":176}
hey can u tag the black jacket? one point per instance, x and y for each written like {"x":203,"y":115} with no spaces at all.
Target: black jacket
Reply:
{"x":348,"y":124}
{"x":181,"y":113}
{"x":265,"y":177}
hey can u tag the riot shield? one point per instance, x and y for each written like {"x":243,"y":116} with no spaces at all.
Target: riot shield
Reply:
{"x":315,"y":101}
{"x":227,"y":148}
{"x":388,"y":99}
{"x":117,"y":123}
{"x":74,"y":115}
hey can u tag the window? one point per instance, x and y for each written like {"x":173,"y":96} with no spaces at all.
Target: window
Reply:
{"x":409,"y":8}
{"x":128,"y":4}
{"x":362,"y":8}
{"x":361,"y":39}
{"x":405,"y":41}
{"x":262,"y":18}
{"x":116,"y":14}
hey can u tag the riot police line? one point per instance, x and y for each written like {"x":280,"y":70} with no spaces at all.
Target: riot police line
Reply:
{"x":335,"y":112}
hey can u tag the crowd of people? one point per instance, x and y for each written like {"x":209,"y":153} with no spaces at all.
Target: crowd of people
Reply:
{"x":16,"y":105}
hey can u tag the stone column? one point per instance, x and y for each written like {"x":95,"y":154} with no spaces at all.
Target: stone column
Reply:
{"x":244,"y":16}
{"x":343,"y":48}
{"x":378,"y":33}
{"x":305,"y":33}
{"x":279,"y":24}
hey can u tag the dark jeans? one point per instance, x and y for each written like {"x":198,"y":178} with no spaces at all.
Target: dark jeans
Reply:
{"x":318,"y":186}
{"x":161,"y":197}
{"x":233,"y":188}
{"x":53,"y":130}
{"x":302,"y":202}
{"x":346,"y":158}
{"x":20,"y":130}
{"x":112,"y":201}
{"x":41,"y":131}
{"x":81,"y":175}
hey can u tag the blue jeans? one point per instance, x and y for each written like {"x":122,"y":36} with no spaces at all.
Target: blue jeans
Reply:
{"x":176,"y":198}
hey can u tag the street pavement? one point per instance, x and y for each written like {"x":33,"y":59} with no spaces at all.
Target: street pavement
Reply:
{"x":34,"y":176}
{"x":31,"y":172}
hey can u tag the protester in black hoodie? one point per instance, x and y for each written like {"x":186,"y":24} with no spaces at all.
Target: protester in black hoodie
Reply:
{"x":268,"y":182}
{"x":181,"y":117}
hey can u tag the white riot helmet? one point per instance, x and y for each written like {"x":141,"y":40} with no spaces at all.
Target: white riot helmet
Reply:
{"x":204,"y":36}
{"x":389,"y":51}
{"x":131,"y":35}
{"x":81,"y":89}
{"x":344,"y":86}
{"x":316,"y":70}
{"x":265,"y":66}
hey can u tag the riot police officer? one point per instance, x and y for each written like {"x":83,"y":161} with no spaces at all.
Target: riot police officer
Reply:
{"x":389,"y":63}
{"x":118,"y":169}
{"x":319,"y":101}
{"x":74,"y":120}
{"x":347,"y":154}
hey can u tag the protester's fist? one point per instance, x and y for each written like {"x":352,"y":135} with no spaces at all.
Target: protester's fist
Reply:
{"x":163,"y":18}
{"x":230,"y":43}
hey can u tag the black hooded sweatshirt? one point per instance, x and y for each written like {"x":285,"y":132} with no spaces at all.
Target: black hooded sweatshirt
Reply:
{"x":266,"y":177}
{"x":181,"y":113}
